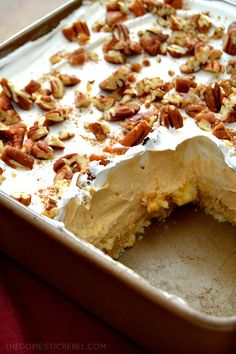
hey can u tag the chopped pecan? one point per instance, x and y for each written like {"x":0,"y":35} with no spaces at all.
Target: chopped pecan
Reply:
{"x":82,"y":100}
{"x":203,"y":23}
{"x":117,"y":113}
{"x":137,"y":134}
{"x":176,"y":51}
{"x":69,"y":80}
{"x":149,"y":117}
{"x":210,"y":117}
{"x":115,"y":57}
{"x":20,"y":97}
{"x":78,"y":57}
{"x":7,"y":113}
{"x":213,"y":97}
{"x":65,"y":135}
{"x":137,"y":7}
{"x":69,"y":33}
{"x":229,"y":45}
{"x":116,"y":80}
{"x":221,"y":132}
{"x":72,"y":162}
{"x":114,"y":17}
{"x":171,"y":116}
{"x":57,"y":87}
{"x":22,"y":197}
{"x":136,"y":67}
{"x":177,"y":4}
{"x":101,"y":158}
{"x":55,"y":143}
{"x":99,"y":130}
{"x":82,"y":31}
{"x":27,"y":147}
{"x":46,"y":103}
{"x":103,"y":103}
{"x":183,"y":84}
{"x":37,"y":132}
{"x":56,"y":116}
{"x":193,"y":109}
{"x":231,"y":67}
{"x":16,"y":158}
{"x":16,"y":140}
{"x":191,"y":66}
{"x":228,"y":109}
{"x":214,"y":66}
{"x":33,"y":86}
{"x":151,"y":41}
{"x":56,"y":58}
{"x":116,"y":150}
{"x":41,"y":150}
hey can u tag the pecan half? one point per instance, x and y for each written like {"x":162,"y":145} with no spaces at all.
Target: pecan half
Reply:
{"x":99,"y":130}
{"x":136,"y":135}
{"x":229,"y":45}
{"x":213,"y":97}
{"x":22,"y":197}
{"x":171,"y":116}
{"x":116,"y":80}
{"x":42,"y":151}
{"x":16,"y":158}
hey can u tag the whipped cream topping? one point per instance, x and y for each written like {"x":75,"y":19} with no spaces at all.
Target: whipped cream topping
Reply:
{"x":31,"y":61}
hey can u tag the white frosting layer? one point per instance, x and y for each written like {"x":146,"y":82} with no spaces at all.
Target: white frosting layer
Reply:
{"x":31,"y":61}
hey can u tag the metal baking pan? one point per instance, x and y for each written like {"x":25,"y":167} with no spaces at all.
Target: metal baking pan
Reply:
{"x":139,"y":295}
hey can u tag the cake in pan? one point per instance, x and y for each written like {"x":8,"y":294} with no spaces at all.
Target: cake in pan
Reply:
{"x":123,"y":112}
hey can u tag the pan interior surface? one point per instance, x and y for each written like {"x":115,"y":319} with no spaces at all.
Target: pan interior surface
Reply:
{"x":190,"y":255}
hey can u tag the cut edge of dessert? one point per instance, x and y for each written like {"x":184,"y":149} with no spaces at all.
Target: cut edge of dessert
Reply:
{"x":158,"y":143}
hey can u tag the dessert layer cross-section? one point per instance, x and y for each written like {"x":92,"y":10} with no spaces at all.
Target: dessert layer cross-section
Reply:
{"x":123,"y":112}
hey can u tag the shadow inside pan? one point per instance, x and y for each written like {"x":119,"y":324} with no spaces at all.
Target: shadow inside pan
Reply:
{"x":190,"y":255}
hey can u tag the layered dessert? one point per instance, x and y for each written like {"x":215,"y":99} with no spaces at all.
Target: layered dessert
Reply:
{"x":123,"y":112}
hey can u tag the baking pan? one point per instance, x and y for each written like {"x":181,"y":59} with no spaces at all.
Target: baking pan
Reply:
{"x":151,"y":311}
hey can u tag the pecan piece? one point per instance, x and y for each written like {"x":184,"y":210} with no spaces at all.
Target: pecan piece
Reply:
{"x":82,"y":31}
{"x":229,"y":45}
{"x":37,"y":132}
{"x":33,"y":86}
{"x":221,"y":132}
{"x":117,"y":113}
{"x":213,"y":97}
{"x":151,"y":41}
{"x":22,"y":197}
{"x":206,"y":116}
{"x":78,"y":57}
{"x":193,"y":109}
{"x":114,"y":17}
{"x":57,"y":87}
{"x":72,"y":162}
{"x":116,"y":150}
{"x":16,"y":158}
{"x":137,"y":7}
{"x":176,"y":51}
{"x":46,"y":103}
{"x":116,"y":80}
{"x":82,"y":100}
{"x":69,"y":33}
{"x":55,"y":143}
{"x":17,"y":138}
{"x":99,"y":130}
{"x":56,"y":116}
{"x":183,"y":84}
{"x":42,"y":151}
{"x":101,"y":158}
{"x":103,"y":103}
{"x":7,"y":113}
{"x":20,"y":97}
{"x":69,"y":80}
{"x":66,"y":135}
{"x":214,"y":66}
{"x":171,"y":116}
{"x":136,"y":135}
{"x":115,"y":57}
{"x":177,"y":4}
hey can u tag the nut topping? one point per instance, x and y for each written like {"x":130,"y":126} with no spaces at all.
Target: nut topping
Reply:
{"x":20,"y":97}
{"x":136,"y":135}
{"x":57,"y":87}
{"x":23,"y":198}
{"x":69,"y":80}
{"x":229,"y":45}
{"x":33,"y":86}
{"x":116,"y":80}
{"x":103,"y":103}
{"x":221,"y":132}
{"x":55,"y":143}
{"x":117,"y":113}
{"x":56,"y":116}
{"x":37,"y":132}
{"x":41,"y":150}
{"x":183,"y":84}
{"x":46,"y":103}
{"x":137,"y":7}
{"x":213,"y":97}
{"x":78,"y":57}
{"x":16,"y":158}
{"x":99,"y":130}
{"x":65,"y":135}
{"x":171,"y":116}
